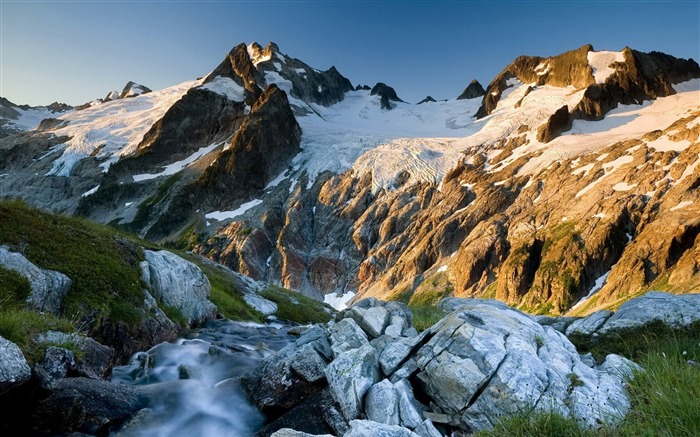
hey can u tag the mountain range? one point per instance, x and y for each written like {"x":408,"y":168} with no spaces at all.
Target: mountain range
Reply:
{"x":567,"y":185}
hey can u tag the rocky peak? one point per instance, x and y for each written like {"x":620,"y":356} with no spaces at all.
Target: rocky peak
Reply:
{"x":472,"y":91}
{"x":387,"y":94}
{"x":427,"y":100}
{"x":608,"y":78}
{"x":362,"y":88}
{"x":133,"y":89}
{"x":238,"y":66}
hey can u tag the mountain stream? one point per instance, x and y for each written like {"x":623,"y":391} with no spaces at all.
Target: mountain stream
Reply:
{"x":192,"y":384}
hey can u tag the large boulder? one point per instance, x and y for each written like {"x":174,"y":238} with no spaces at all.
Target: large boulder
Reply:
{"x":673,"y":310}
{"x":14,"y":370}
{"x":178,"y":283}
{"x":484,"y":362}
{"x":350,"y":376}
{"x":48,"y":287}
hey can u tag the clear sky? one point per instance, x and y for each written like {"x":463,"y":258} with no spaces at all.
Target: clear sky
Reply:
{"x":75,"y":51}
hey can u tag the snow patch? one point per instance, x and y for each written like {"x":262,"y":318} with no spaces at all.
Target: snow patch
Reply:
{"x":90,"y":192}
{"x":596,"y":287}
{"x":179,"y":165}
{"x":442,"y":269}
{"x":226,"y":87}
{"x":681,"y":205}
{"x":623,"y":186}
{"x":339,"y":302}
{"x":223,"y":215}
{"x":600,"y":63}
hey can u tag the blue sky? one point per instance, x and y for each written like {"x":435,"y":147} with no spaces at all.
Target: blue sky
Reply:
{"x":75,"y":51}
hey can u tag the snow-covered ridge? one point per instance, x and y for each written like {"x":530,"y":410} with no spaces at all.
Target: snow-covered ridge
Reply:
{"x":113,"y":129}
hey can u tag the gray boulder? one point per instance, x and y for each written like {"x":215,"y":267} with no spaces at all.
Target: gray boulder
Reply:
{"x":346,"y":335}
{"x":350,"y":376}
{"x":95,"y":360}
{"x":260,"y":304}
{"x":483,"y":362}
{"x":48,"y":287}
{"x":588,"y":325}
{"x":178,"y":283}
{"x":382,"y":403}
{"x":674,"y":310}
{"x":14,"y":370}
{"x":367,"y":428}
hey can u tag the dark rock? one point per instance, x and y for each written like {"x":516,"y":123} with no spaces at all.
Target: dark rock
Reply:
{"x":362,"y":88}
{"x":133,"y":89}
{"x":56,"y":364}
{"x":386,"y":93}
{"x":319,"y":414}
{"x":94,"y":361}
{"x":285,"y":379}
{"x":427,"y":100}
{"x":83,"y":404}
{"x":472,"y":91}
{"x":558,"y":122}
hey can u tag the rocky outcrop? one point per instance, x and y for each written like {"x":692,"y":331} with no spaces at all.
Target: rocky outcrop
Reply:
{"x":14,"y":370}
{"x":48,"y":287}
{"x":558,"y":122}
{"x":386,"y":93}
{"x":178,"y":283}
{"x":641,"y":76}
{"x":133,"y":89}
{"x":428,"y":99}
{"x":472,"y":91}
{"x":480,"y":362}
{"x":673,"y":311}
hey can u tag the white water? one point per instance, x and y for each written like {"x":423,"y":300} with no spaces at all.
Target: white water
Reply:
{"x":192,"y":385}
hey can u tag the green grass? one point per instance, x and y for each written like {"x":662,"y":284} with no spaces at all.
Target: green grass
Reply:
{"x":425,"y":316}
{"x":664,"y":396}
{"x":296,"y":307}
{"x":21,"y":325}
{"x":431,"y":290}
{"x":14,"y":288}
{"x":422,"y":305}
{"x":103,"y":263}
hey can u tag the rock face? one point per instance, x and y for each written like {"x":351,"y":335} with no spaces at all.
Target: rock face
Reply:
{"x":428,"y":99}
{"x":179,"y":284}
{"x":14,"y":370}
{"x":48,"y":287}
{"x":480,"y":362}
{"x":472,"y":91}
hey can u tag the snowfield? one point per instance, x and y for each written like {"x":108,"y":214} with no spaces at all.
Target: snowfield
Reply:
{"x":113,"y":129}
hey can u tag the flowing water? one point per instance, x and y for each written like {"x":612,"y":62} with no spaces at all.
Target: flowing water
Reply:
{"x":192,"y":384}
